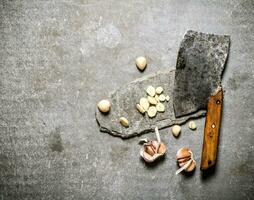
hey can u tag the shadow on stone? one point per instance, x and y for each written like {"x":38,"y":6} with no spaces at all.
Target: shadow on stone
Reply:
{"x":207,"y":174}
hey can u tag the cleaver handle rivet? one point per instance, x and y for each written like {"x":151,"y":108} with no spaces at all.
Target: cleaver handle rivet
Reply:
{"x":218,"y":101}
{"x":213,"y":125}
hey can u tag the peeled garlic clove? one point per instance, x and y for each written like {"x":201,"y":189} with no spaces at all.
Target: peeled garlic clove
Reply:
{"x":124,"y":122}
{"x":192,"y":125}
{"x":152,"y":111}
{"x":160,"y":107}
{"x":140,"y":109}
{"x":183,"y":153}
{"x":162,"y":97}
{"x":191,"y":167}
{"x":159,"y":90}
{"x":104,"y":106}
{"x":144,"y":103}
{"x":141,"y":63}
{"x":152,"y":100}
{"x":176,"y":129}
{"x":157,"y":98}
{"x":167,"y":98}
{"x":150,"y":91}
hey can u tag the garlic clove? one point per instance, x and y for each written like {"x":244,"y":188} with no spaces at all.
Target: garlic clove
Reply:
{"x":183,"y":153}
{"x":192,"y":125}
{"x":152,"y":100}
{"x":124,"y":122}
{"x":141,"y":63}
{"x":183,"y":160}
{"x":176,"y":129}
{"x":140,"y":109}
{"x":159,"y":148}
{"x":162,"y":149}
{"x":159,"y":90}
{"x":160,"y":107}
{"x":149,"y":149}
{"x":182,"y":164}
{"x":191,"y":167}
{"x":157,"y":98}
{"x":150,"y":91}
{"x":104,"y":106}
{"x":144,"y":103}
{"x":162,"y":97}
{"x":152,"y":111}
{"x":167,"y":98}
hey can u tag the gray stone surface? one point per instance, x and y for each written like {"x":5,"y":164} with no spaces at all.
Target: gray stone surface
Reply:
{"x":124,"y":102}
{"x":58,"y":58}
{"x":200,"y":63}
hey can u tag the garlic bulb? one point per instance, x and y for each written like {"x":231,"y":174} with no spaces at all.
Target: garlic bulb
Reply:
{"x":152,"y":150}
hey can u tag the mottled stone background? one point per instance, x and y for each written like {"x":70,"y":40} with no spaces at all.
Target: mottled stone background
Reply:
{"x":58,"y":58}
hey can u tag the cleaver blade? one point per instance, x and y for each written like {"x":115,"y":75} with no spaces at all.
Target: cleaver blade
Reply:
{"x":200,"y":64}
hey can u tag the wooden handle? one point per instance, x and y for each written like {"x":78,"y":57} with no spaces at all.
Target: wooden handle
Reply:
{"x":212,"y":129}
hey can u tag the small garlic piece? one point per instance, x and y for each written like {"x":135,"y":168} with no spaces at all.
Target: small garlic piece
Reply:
{"x":183,"y":153}
{"x":157,"y":98}
{"x":167,"y":98}
{"x":176,"y":129}
{"x":160,"y":107}
{"x":152,"y":111}
{"x":104,"y":106}
{"x":141,"y":63}
{"x":150,"y":91}
{"x":124,"y":122}
{"x":192,"y":125}
{"x":162,"y":97}
{"x":144,"y":103}
{"x":152,"y":100}
{"x":140,"y":109}
{"x":159,"y":90}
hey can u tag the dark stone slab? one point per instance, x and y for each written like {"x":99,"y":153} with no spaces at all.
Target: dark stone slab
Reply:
{"x":124,"y":102}
{"x":200,"y":63}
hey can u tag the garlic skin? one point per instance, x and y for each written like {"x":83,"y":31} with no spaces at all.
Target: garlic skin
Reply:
{"x":104,"y":106}
{"x":141,"y":63}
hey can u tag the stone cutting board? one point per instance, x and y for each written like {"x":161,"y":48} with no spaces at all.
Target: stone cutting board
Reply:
{"x":124,"y":102}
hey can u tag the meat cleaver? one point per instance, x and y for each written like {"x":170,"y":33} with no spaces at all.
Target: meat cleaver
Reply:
{"x":200,"y":64}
